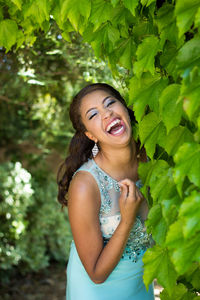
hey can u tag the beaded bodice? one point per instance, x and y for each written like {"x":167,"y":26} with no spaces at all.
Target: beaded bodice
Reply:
{"x":109,"y":215}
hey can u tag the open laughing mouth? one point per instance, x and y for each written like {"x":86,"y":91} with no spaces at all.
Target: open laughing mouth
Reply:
{"x":116,"y":127}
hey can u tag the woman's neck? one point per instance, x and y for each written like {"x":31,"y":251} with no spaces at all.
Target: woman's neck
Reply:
{"x":121,"y":162}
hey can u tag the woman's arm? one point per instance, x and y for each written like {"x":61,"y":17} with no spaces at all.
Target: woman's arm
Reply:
{"x":83,"y":206}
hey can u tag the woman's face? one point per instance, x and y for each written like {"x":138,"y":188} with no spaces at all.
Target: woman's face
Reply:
{"x":105,"y":118}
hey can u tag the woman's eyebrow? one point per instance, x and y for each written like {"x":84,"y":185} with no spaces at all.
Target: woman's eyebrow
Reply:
{"x":95,"y":107}
{"x":106,"y":99}
{"x":90,"y":110}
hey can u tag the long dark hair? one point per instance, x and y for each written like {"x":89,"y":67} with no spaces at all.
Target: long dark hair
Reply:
{"x":80,"y":148}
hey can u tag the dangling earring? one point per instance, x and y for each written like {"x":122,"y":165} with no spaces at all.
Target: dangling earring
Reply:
{"x":95,"y":150}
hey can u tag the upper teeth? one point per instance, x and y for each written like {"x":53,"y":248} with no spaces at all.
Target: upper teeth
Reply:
{"x":112,"y":124}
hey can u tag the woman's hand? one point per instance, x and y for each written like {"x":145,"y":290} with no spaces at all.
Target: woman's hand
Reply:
{"x":129,"y":201}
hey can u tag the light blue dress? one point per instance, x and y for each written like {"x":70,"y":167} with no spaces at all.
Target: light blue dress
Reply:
{"x":126,"y":281}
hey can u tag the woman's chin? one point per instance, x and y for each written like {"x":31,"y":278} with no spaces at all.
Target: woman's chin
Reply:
{"x":121,"y":139}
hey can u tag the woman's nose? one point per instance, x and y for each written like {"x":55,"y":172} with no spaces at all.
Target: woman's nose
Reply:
{"x":107,"y":113}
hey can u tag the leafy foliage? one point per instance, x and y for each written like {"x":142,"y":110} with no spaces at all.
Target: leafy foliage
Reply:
{"x":16,"y":197}
{"x":25,"y":238}
{"x":158,"y":43}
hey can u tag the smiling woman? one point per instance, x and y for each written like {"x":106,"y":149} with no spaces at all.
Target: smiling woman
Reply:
{"x":105,"y":117}
{"x":106,"y":208}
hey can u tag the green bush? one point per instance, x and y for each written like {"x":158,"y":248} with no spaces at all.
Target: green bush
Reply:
{"x":33,"y":229}
{"x":16,"y":196}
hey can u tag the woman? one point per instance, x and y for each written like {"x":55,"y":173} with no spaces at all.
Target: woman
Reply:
{"x":106,"y":208}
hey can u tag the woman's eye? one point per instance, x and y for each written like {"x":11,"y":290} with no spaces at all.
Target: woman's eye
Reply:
{"x":90,"y":117}
{"x":111,"y":102}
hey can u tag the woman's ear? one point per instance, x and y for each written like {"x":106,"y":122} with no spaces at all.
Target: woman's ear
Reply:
{"x":90,"y":136}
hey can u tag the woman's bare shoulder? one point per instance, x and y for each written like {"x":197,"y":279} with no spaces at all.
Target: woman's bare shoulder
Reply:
{"x":83,"y":188}
{"x":83,"y":180}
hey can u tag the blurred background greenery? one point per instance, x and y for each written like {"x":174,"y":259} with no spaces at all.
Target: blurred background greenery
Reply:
{"x":36,"y":87}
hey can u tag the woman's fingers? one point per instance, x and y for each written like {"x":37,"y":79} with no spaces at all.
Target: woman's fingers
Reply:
{"x":132,"y":192}
{"x":130,"y":186}
{"x":129,"y":201}
{"x":124,"y":190}
{"x":139,"y":194}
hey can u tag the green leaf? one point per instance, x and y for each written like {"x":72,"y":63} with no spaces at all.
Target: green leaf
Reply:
{"x":170,"y":208}
{"x":131,"y":5}
{"x":198,"y":122}
{"x":74,"y":10}
{"x":175,"y":234}
{"x":178,"y":292}
{"x":30,"y":40}
{"x":188,"y":252}
{"x":150,"y":173}
{"x":20,"y":39}
{"x":18,"y":3}
{"x":176,"y":137}
{"x":147,"y":2}
{"x":194,"y":279}
{"x":190,"y":211}
{"x":110,"y":37}
{"x":158,"y":176}
{"x":142,"y":29}
{"x":189,"y":54}
{"x":165,"y":16}
{"x":37,"y":10}
{"x":1,"y":13}
{"x":161,"y":182}
{"x":114,"y":2}
{"x":28,"y":27}
{"x":66,"y":36}
{"x":101,"y":12}
{"x":146,"y":91}
{"x":187,"y":161}
{"x":156,"y":224}
{"x":84,"y":7}
{"x":145,"y":171}
{"x":152,"y":132}
{"x":190,"y":92}
{"x":127,"y":55}
{"x":170,"y":108}
{"x":104,"y":39}
{"x":88,"y":34}
{"x":146,"y":58}
{"x":13,"y":11}
{"x":44,"y":8}
{"x":166,"y":23}
{"x":120,"y":17}
{"x":157,"y":264}
{"x":168,"y":58}
{"x":185,"y":11}
{"x":67,"y":27}
{"x":125,"y":52}
{"x":197,"y":18}
{"x":8,"y":33}
{"x":184,"y":252}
